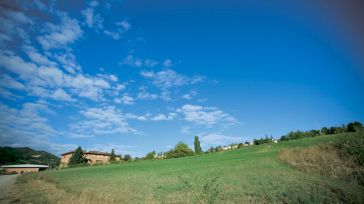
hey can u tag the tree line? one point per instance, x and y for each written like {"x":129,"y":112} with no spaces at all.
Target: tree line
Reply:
{"x":351,"y":127}
{"x":181,"y":149}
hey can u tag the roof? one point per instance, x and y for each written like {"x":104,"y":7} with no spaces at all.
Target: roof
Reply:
{"x":25,"y":166}
{"x":91,"y":152}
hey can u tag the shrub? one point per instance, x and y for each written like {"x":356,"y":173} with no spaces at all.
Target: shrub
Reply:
{"x":180,"y":150}
{"x":352,"y":144}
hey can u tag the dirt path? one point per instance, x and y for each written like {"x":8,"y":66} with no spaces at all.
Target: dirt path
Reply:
{"x":5,"y":184}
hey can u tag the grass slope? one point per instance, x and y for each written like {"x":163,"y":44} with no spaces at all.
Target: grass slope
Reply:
{"x":252,"y":174}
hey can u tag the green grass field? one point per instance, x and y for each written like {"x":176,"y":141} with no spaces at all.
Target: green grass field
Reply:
{"x":248,"y":175}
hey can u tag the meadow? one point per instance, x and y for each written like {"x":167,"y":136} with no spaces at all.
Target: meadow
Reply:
{"x":248,"y":175}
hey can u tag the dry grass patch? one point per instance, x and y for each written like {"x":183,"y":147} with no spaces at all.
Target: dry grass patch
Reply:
{"x":323,"y":159}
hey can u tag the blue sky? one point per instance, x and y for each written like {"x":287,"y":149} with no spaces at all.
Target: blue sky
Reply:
{"x":142,"y":75}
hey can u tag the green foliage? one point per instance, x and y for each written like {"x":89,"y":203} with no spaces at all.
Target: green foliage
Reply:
{"x":150,"y":155}
{"x":77,"y":158}
{"x":127,"y":157}
{"x":263,"y":140}
{"x":353,"y":144}
{"x":180,"y":150}
{"x":197,"y":146}
{"x":112,"y":155}
{"x":355,"y":127}
{"x":26,"y":155}
{"x":351,"y":127}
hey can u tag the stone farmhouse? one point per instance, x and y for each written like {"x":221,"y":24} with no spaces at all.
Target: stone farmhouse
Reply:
{"x":93,"y":157}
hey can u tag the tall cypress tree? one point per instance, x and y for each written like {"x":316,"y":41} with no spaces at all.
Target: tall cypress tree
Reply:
{"x":197,"y":146}
{"x":112,"y":155}
{"x":77,"y":158}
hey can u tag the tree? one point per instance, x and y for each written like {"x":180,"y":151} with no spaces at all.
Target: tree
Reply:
{"x":324,"y":130}
{"x":127,"y":157}
{"x":112,"y":155}
{"x":354,"y":126}
{"x":150,"y":155}
{"x":77,"y":158}
{"x":180,"y":150}
{"x":197,"y":145}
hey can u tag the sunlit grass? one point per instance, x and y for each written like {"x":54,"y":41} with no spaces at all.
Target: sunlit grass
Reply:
{"x":251,"y":174}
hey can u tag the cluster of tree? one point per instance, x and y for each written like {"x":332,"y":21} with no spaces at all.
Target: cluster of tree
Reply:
{"x":180,"y":150}
{"x":351,"y":127}
{"x":77,"y":158}
{"x":263,"y":140}
{"x":26,"y":155}
{"x":113,"y":156}
{"x":293,"y":135}
{"x":214,"y":149}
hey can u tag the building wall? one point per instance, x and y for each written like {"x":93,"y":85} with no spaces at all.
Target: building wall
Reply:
{"x":93,"y":159}
{"x":21,"y":170}
{"x":65,"y":159}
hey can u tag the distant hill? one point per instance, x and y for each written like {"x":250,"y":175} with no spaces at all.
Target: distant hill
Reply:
{"x":26,"y":155}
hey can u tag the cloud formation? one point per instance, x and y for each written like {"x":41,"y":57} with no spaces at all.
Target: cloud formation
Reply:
{"x":62,"y":34}
{"x":205,"y":115}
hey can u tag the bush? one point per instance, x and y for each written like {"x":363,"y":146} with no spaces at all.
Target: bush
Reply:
{"x":180,"y":150}
{"x":352,"y":144}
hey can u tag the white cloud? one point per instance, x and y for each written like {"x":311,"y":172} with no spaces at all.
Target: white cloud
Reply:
{"x":102,"y":121}
{"x":38,"y":58}
{"x":60,"y":35}
{"x":28,"y":126}
{"x":113,"y":78}
{"x":61,"y":95}
{"x":130,"y":60}
{"x":92,"y":19}
{"x":122,"y":27}
{"x":161,"y":117}
{"x":205,"y":115}
{"x":43,"y":81}
{"x":167,"y":63}
{"x":125,"y":99}
{"x":169,"y":78}
{"x":118,"y":148}
{"x":133,"y":61}
{"x":13,"y":25}
{"x":68,"y":62}
{"x":214,"y":139}
{"x":144,"y":95}
{"x":150,"y":63}
{"x":189,"y":95}
{"x":9,"y":82}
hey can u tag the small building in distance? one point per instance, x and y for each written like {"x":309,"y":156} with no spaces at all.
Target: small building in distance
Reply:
{"x":93,"y":157}
{"x":23,"y":168}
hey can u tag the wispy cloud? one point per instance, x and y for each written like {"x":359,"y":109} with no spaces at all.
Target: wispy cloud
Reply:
{"x":51,"y":82}
{"x":215,"y":139}
{"x":60,"y":35}
{"x":125,"y":99}
{"x":189,"y":95}
{"x":29,"y":125}
{"x":205,"y":115}
{"x":133,"y":61}
{"x":169,"y":78}
{"x":102,"y":121}
{"x":122,"y":27}
{"x":92,"y":19}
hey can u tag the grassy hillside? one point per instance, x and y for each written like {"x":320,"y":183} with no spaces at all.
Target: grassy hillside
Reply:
{"x":252,"y":174}
{"x":26,"y":155}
